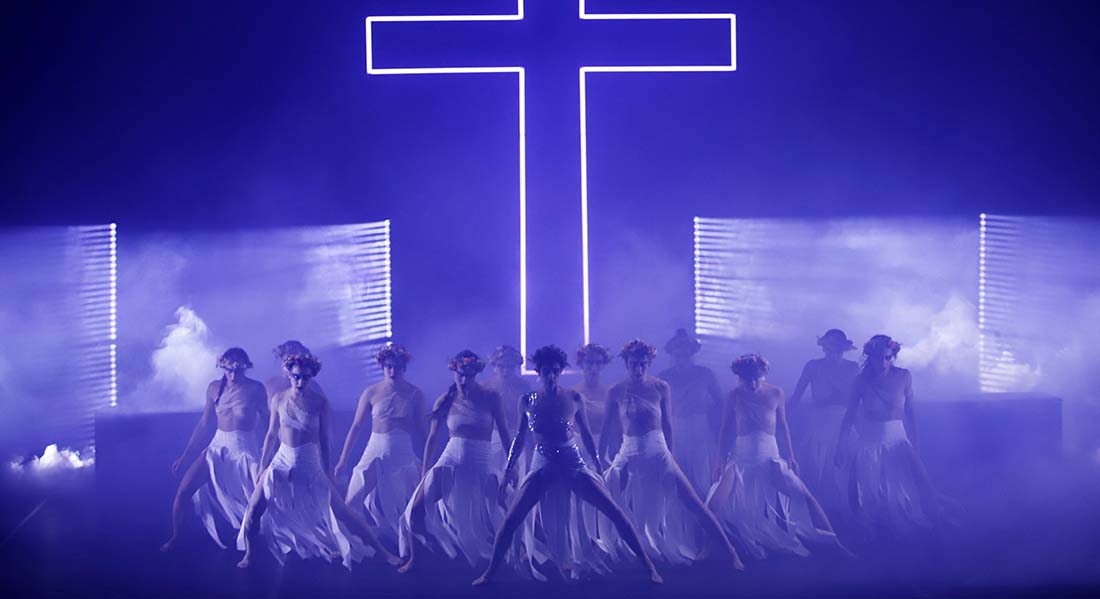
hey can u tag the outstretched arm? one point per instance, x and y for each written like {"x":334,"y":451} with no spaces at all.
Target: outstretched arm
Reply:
{"x":362,"y":420}
{"x":784,"y":430}
{"x":202,"y":431}
{"x":439,"y":417}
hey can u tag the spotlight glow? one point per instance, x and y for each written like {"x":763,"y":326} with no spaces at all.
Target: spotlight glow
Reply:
{"x":584,"y":15}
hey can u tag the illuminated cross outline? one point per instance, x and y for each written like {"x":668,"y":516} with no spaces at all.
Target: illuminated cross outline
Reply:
{"x":518,"y":16}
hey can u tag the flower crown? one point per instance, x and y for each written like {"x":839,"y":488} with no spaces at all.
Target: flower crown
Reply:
{"x":638,"y":349}
{"x":309,"y":361}
{"x":593,"y":352}
{"x":234,"y":358}
{"x":465,"y":361}
{"x":506,"y":354}
{"x":750,"y":366}
{"x":879,"y":345}
{"x":393,"y":352}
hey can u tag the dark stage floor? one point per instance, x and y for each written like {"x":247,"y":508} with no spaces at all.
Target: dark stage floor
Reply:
{"x":1031,"y":529}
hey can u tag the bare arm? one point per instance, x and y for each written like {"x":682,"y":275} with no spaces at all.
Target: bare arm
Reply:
{"x":611,"y":423}
{"x":418,"y":432}
{"x":848,"y":422}
{"x":666,"y":412}
{"x":783,"y":428}
{"x":202,"y":431}
{"x":519,"y":441}
{"x":361,"y":420}
{"x":800,"y":387}
{"x":271,"y":439}
{"x":498,"y":417}
{"x":586,"y":433}
{"x":325,"y":436}
{"x":438,"y":419}
{"x":729,"y":415}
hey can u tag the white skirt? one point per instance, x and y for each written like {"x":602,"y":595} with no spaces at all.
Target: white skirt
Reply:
{"x":299,"y":514}
{"x":640,"y":480}
{"x":462,"y":486}
{"x":233,"y":461}
{"x":816,"y":451}
{"x":759,"y":501}
{"x":883,"y":488}
{"x":390,"y":468}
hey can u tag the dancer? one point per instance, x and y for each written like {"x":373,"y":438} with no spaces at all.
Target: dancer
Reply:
{"x":220,"y":481}
{"x":506,"y":380}
{"x":455,"y":504}
{"x":384,"y":479}
{"x":296,"y":504}
{"x":886,"y":473}
{"x":592,"y":358}
{"x":698,"y":409}
{"x":759,"y":495}
{"x":279,"y":382}
{"x":830,"y":382}
{"x":644,"y":478}
{"x":558,"y":464}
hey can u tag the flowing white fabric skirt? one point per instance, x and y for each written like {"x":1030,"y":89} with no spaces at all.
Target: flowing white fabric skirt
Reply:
{"x":233,"y":460}
{"x":816,"y":452}
{"x":760,"y":502}
{"x":640,"y":481}
{"x":460,"y":499}
{"x":299,"y":514}
{"x":390,"y":469}
{"x":882,"y":483}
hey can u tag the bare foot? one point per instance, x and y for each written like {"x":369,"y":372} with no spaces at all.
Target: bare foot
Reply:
{"x":407,"y":567}
{"x":655,"y":578}
{"x":481,"y":580}
{"x":738,"y":564}
{"x":392,"y":559}
{"x":169,"y":545}
{"x":245,"y":562}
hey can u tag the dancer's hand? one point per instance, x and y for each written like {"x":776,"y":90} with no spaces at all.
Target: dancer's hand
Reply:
{"x":177,"y":465}
{"x":341,"y":467}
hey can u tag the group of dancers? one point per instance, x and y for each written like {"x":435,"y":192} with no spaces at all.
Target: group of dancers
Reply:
{"x":601,"y":482}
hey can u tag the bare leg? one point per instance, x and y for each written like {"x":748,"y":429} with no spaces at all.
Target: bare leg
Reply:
{"x":532,"y":489}
{"x":590,"y":489}
{"x":417,"y":515}
{"x":196,"y":476}
{"x":355,"y":521}
{"x":250,"y":527}
{"x":706,"y":517}
{"x":355,"y":502}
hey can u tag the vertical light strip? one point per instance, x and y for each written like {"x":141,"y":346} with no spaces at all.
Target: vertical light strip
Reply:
{"x":114,"y":314}
{"x":982,"y":359}
{"x":584,"y":203}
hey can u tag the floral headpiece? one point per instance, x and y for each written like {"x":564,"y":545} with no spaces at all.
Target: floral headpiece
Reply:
{"x":466,"y":362}
{"x":880,"y":345}
{"x":289,"y":347}
{"x":638,"y":349}
{"x":393,"y":352}
{"x":750,"y":366}
{"x":683,"y":343}
{"x":234,"y":358}
{"x":506,"y":355}
{"x":304,"y":361}
{"x":593,"y":352}
{"x":550,"y":355}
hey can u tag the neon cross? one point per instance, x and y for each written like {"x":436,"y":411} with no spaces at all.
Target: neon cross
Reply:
{"x":484,"y":37}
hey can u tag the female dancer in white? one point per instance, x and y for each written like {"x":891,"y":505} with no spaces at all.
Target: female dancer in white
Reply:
{"x":830,"y":382}
{"x":461,"y":487}
{"x":888,"y":486}
{"x":551,"y":414}
{"x":644,"y":478}
{"x":759,"y":495}
{"x":296,"y":504}
{"x":387,"y":473}
{"x":698,"y":409}
{"x":221,"y":480}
